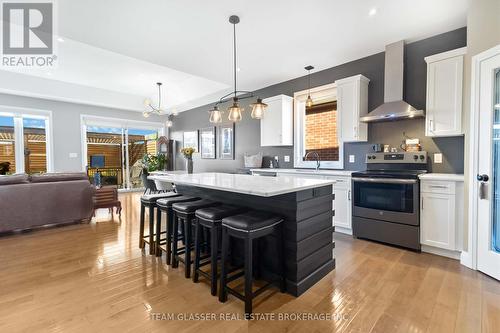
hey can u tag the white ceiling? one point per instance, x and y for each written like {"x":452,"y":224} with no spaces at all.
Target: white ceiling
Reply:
{"x":125,"y":46}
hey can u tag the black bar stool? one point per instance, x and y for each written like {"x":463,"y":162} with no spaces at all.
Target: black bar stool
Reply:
{"x":165,"y":205}
{"x":249,"y":226}
{"x":149,"y":201}
{"x":184,"y":212}
{"x":210,"y":218}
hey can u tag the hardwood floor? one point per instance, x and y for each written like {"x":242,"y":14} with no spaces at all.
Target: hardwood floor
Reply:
{"x":93,"y":277}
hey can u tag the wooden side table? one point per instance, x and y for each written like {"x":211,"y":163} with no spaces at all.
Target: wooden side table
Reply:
{"x":107,"y":197}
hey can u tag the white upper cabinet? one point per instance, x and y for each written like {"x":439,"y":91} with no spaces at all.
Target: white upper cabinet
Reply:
{"x":444,"y":93}
{"x":276,"y":127}
{"x":352,"y":103}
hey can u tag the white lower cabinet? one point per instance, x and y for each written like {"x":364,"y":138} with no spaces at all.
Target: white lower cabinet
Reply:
{"x":441,"y":222}
{"x":342,"y":204}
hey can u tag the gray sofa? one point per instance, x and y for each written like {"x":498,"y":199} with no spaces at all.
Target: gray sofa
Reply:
{"x":27,"y":202}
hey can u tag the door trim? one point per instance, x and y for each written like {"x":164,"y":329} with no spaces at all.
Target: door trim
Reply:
{"x":469,"y":258}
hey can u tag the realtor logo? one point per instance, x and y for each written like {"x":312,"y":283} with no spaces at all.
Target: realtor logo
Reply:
{"x":28,"y":34}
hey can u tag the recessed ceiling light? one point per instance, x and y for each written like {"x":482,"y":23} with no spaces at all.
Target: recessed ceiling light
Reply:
{"x":372,"y":11}
{"x":60,"y":39}
{"x":49,"y":73}
{"x":238,"y":69}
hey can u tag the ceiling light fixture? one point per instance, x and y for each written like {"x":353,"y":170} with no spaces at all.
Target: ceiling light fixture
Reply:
{"x":309,"y":101}
{"x":147,"y":103}
{"x":235,"y":110}
{"x":372,"y":11}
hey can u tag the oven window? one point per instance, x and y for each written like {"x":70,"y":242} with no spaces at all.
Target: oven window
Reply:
{"x":383,"y":196}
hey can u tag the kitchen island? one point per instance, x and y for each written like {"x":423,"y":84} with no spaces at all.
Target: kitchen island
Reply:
{"x":305,"y":204}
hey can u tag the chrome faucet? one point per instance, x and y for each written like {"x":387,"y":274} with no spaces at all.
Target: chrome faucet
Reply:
{"x":317,"y":158}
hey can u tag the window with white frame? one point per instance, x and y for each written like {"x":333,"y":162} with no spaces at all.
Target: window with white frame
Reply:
{"x":316,"y":129}
{"x":25,"y":141}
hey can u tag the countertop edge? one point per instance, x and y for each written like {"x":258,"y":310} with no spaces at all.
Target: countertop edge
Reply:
{"x":443,"y":176}
{"x":241,"y":191}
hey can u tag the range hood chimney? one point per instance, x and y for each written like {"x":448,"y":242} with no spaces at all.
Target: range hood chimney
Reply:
{"x":394,"y":107}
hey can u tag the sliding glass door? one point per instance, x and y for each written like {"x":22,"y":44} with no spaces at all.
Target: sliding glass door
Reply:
{"x":116,"y":148}
{"x":24,"y":142}
{"x":140,"y":143}
{"x":105,"y":153}
{"x":7,"y":145}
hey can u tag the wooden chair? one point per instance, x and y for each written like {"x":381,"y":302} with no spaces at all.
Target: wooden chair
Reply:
{"x":107,"y":197}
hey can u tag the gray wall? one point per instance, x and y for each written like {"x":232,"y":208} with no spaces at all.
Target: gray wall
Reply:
{"x":248,"y":130}
{"x":66,"y":125}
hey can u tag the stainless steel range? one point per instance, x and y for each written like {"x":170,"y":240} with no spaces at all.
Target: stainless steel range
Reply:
{"x":385,"y":205}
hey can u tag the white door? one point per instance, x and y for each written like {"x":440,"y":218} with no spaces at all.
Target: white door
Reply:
{"x":488,"y":178}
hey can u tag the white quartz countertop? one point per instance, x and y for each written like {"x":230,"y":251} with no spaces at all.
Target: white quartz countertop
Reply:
{"x":246,"y":184}
{"x":322,"y":172}
{"x":442,"y":176}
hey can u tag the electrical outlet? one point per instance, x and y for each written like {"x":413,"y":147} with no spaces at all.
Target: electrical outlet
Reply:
{"x":73,"y":155}
{"x":351,"y":158}
{"x":438,"y":158}
{"x":286,"y":158}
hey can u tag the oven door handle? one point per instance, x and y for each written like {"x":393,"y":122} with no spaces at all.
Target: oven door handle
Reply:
{"x":384,"y":180}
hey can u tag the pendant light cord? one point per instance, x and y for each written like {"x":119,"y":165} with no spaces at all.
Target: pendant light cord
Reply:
{"x":309,"y":82}
{"x":159,"y":97}
{"x":234,"y":56}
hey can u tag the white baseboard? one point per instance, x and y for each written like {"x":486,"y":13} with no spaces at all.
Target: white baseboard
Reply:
{"x":342,"y":230}
{"x":466,"y":259}
{"x":441,"y":252}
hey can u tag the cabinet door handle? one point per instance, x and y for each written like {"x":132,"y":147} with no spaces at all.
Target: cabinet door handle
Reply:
{"x":438,"y":186}
{"x":355,"y":131}
{"x":431,"y":125}
{"x":422,"y":204}
{"x":349,"y":195}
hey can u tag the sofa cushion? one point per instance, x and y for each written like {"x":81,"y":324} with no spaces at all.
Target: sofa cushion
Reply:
{"x":14,"y":179}
{"x":58,"y":177}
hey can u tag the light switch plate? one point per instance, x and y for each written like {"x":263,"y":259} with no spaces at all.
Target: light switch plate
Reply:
{"x":351,"y":158}
{"x":438,"y":158}
{"x":286,"y":158}
{"x":73,"y":155}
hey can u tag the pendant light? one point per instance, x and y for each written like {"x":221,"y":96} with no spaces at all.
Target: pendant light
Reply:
{"x":235,"y":111}
{"x":258,"y":109}
{"x":152,"y":109}
{"x":309,"y":101}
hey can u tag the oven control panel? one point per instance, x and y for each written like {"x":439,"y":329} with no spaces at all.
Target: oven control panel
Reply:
{"x":419,"y":157}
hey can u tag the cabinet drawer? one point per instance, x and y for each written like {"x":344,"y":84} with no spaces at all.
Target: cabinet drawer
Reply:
{"x":437,"y":187}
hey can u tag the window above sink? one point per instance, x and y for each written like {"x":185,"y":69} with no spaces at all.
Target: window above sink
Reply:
{"x":316,"y":129}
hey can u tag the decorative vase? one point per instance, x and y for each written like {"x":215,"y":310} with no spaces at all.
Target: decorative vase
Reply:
{"x":189,"y":165}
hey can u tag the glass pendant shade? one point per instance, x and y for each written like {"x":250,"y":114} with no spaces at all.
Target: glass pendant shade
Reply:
{"x":235,"y":112}
{"x":309,"y":101}
{"x":147,"y":102}
{"x":145,"y":114}
{"x":169,"y":123}
{"x":215,"y":115}
{"x":258,"y":109}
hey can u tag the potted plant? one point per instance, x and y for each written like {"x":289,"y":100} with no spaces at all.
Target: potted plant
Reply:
{"x":152,"y":162}
{"x":188,"y":155}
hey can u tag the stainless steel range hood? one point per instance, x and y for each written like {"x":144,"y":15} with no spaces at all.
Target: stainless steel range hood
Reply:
{"x":394,"y":107}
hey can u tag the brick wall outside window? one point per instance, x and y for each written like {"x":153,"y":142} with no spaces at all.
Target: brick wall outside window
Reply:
{"x":321,"y":134}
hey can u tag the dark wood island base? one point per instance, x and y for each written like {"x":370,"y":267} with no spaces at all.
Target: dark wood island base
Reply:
{"x":309,"y":245}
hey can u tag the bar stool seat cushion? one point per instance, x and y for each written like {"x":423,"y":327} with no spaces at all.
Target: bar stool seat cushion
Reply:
{"x":251,"y":221}
{"x":190,"y":207}
{"x":217,"y":213}
{"x":151,"y":198}
{"x":168,"y":202}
